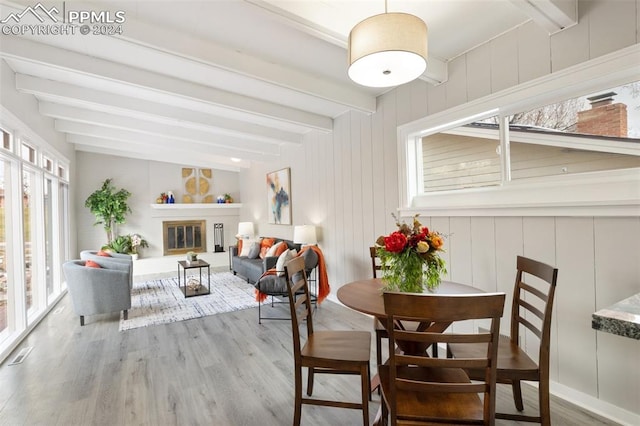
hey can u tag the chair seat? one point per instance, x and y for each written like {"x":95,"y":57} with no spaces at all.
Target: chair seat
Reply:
{"x":436,"y":405}
{"x":339,"y":345}
{"x":510,"y":359}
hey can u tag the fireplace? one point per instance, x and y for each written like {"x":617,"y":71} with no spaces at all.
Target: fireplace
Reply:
{"x":182,"y":236}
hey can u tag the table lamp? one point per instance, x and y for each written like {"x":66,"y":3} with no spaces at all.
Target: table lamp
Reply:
{"x":245,"y":230}
{"x":305,"y":235}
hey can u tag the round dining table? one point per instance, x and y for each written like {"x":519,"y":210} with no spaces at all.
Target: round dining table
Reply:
{"x":366,"y":295}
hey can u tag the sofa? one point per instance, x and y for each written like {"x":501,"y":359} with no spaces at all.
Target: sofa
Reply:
{"x":252,"y":269}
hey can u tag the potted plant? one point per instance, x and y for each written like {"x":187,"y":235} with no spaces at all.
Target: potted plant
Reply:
{"x":127,"y":244}
{"x":192,"y":256}
{"x":109,"y":206}
{"x":120,"y":244}
{"x":137,"y":242}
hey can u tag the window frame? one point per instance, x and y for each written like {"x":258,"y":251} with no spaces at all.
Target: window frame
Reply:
{"x":21,"y":321}
{"x":603,"y":193}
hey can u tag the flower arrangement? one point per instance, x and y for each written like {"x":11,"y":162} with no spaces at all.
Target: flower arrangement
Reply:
{"x":137,"y":241}
{"x":410,"y":257}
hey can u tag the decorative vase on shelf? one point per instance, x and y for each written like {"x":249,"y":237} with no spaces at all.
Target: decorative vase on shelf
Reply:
{"x":134,"y":256}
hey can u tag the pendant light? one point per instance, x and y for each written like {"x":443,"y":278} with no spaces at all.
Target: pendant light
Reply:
{"x":387,"y":50}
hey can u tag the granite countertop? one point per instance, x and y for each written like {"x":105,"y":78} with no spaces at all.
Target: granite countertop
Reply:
{"x":622,"y":318}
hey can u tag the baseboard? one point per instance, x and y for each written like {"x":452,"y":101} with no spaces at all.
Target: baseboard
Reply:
{"x":594,"y":405}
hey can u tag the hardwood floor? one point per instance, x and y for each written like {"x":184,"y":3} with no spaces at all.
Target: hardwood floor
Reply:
{"x":219,"y":370}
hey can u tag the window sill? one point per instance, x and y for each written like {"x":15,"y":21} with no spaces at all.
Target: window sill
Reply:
{"x":589,"y":194}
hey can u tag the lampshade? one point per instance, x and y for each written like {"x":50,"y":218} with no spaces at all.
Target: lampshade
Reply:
{"x":388,"y":50}
{"x":245,"y":229}
{"x":305,"y":234}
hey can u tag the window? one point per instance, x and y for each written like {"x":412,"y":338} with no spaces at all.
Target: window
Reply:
{"x":4,"y":278}
{"x":569,"y":144}
{"x":28,"y":153}
{"x":577,"y":135}
{"x":47,"y":164}
{"x":48,"y":235}
{"x":464,"y":157}
{"x":6,"y":139}
{"x":34,"y":234}
{"x":29,"y":222}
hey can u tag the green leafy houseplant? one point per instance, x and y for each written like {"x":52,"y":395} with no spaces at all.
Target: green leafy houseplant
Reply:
{"x":109,"y":207}
{"x":127,"y":244}
{"x":120,"y":244}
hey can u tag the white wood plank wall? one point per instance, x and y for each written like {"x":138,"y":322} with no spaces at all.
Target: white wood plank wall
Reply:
{"x":346,"y":183}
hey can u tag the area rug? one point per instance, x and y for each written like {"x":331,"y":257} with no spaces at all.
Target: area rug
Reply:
{"x":161,"y":301}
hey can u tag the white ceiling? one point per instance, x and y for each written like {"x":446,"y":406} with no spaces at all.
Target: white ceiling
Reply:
{"x":199,"y":82}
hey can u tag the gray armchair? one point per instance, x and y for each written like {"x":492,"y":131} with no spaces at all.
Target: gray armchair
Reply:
{"x":116,"y":257}
{"x":98,"y":290}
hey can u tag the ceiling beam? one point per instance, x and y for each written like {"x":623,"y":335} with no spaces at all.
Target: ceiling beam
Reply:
{"x":157,"y":86}
{"x":152,"y":142}
{"x":233,"y":61}
{"x":73,"y":95}
{"x":553,"y":15}
{"x":124,"y":149}
{"x":436,"y":72}
{"x":167,"y":114}
{"x":233,"y":146}
{"x":100,"y":119}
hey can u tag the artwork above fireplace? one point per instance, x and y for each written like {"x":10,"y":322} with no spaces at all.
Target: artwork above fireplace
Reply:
{"x":182,"y":236}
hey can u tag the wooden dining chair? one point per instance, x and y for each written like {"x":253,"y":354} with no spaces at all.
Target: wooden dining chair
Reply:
{"x":421,"y":389}
{"x":531,"y":310}
{"x":334,"y":352}
{"x":378,"y":327}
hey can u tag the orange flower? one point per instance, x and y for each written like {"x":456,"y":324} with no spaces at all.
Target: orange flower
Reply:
{"x":436,"y":241}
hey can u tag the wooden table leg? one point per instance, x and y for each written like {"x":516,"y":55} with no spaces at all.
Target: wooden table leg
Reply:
{"x":375,"y":383}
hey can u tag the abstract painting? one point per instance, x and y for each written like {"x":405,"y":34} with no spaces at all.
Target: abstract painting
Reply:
{"x":279,"y":196}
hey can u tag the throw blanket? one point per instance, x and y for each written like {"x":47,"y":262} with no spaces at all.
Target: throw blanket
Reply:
{"x":323,"y":279}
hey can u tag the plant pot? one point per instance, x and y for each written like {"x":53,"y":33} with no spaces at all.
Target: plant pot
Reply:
{"x":134,"y":256}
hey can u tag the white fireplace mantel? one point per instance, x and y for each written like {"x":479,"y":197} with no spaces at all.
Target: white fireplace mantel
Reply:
{"x":211,"y":213}
{"x":183,"y":206}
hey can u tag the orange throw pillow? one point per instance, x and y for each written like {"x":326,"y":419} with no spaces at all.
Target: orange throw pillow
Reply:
{"x":91,"y":264}
{"x":281,"y":249}
{"x":239,"y":246}
{"x":103,"y":253}
{"x":265,"y":245}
